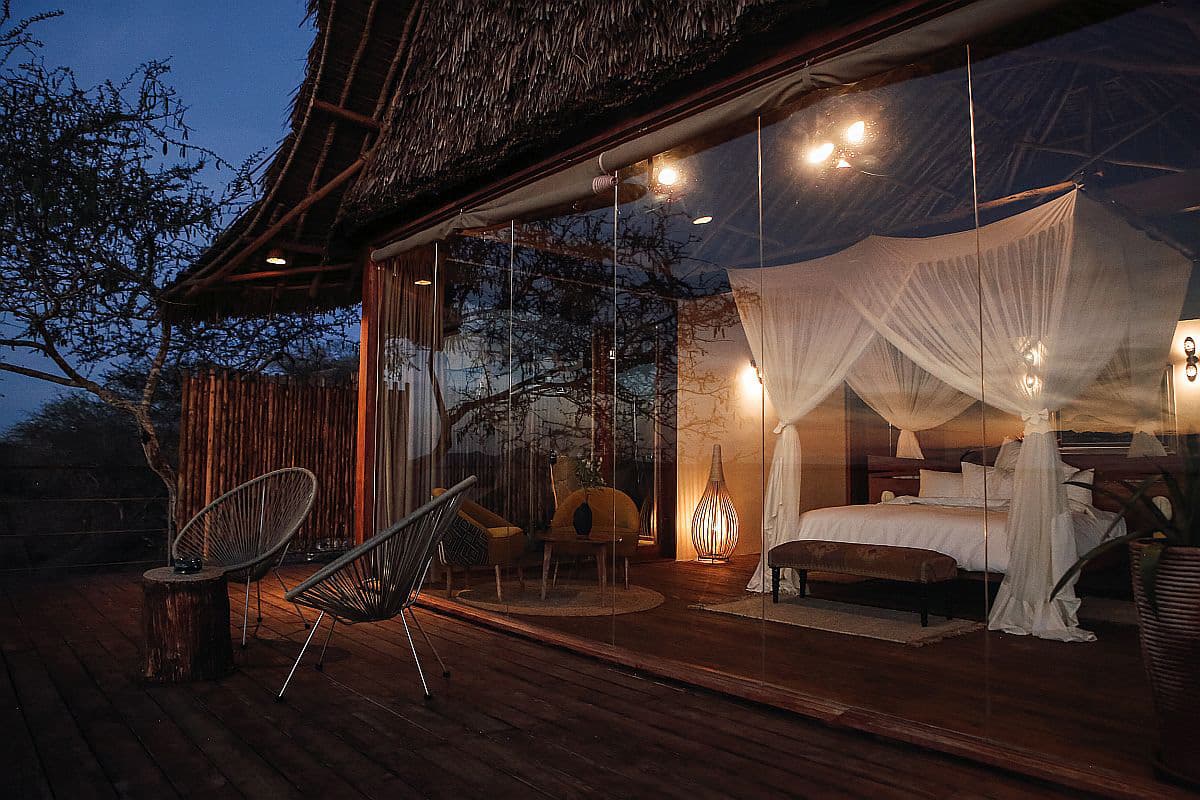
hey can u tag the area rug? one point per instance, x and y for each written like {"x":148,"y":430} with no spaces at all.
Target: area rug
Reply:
{"x":567,"y":599}
{"x":889,"y":625}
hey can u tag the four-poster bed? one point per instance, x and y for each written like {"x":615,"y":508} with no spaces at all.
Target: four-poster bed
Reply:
{"x":1003,"y":314}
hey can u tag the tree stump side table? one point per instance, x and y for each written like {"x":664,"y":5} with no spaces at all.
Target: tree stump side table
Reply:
{"x":185,"y":620}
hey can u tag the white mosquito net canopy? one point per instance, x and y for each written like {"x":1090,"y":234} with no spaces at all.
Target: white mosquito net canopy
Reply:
{"x":1062,"y":307}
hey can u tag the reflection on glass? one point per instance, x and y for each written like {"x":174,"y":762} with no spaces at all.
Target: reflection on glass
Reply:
{"x":903,"y":356}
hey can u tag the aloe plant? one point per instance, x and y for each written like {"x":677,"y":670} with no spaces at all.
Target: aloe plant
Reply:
{"x":1179,"y":528}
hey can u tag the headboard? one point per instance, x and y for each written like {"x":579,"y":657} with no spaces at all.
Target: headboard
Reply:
{"x":902,"y":475}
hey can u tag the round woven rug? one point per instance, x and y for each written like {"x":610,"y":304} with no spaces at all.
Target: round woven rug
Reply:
{"x":567,"y":599}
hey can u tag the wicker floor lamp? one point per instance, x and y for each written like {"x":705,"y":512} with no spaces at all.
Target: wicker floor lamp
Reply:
{"x":715,"y":522}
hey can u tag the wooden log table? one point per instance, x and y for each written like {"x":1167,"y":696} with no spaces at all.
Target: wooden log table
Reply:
{"x":186,"y":624}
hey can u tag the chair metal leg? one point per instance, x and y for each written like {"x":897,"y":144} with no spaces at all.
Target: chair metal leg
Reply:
{"x":417,"y":622}
{"x":282,"y":585}
{"x":307,"y":641}
{"x":324,"y":647}
{"x":416,"y":658}
{"x":246,"y":611}
{"x":258,"y":592}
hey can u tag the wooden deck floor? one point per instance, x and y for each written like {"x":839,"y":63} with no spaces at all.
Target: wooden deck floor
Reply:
{"x":517,"y":719}
{"x":1085,"y":706}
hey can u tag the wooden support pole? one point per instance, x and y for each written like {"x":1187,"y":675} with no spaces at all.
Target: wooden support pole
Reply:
{"x":368,"y":365}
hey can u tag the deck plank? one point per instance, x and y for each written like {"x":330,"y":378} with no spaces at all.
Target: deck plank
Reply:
{"x":516,"y":719}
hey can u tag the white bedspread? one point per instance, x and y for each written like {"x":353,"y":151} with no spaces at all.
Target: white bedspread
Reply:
{"x":954,"y":526}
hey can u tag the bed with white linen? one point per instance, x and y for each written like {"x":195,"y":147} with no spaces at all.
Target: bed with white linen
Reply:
{"x":947,"y":514}
{"x":951,"y":525}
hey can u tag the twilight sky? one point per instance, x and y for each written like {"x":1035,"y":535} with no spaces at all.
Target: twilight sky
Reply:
{"x":236,"y":64}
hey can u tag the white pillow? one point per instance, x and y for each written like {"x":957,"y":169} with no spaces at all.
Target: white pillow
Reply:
{"x":1009,"y":450}
{"x":999,"y":482}
{"x":1077,"y":494}
{"x":941,"y":484}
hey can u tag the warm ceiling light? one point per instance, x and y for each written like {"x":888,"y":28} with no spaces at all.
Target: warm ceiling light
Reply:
{"x":1190,"y":371}
{"x":819,"y":153}
{"x":843,"y":164}
{"x":702,"y":220}
{"x":856,"y":132}
{"x":275,"y":256}
{"x":668,"y":176}
{"x":1189,"y":346}
{"x":423,"y":282}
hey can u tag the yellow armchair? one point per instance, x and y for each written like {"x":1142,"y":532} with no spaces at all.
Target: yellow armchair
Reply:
{"x":481,"y":538}
{"x":614,"y":516}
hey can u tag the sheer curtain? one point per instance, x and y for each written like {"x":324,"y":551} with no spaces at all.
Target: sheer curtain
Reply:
{"x":804,"y":336}
{"x":1128,"y":394}
{"x":905,"y":395}
{"x":1006,"y":314}
{"x":1030,"y":308}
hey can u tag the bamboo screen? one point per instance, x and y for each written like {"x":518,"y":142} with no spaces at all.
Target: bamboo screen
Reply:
{"x":235,"y":427}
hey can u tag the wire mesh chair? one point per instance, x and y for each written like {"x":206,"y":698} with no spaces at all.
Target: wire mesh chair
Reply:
{"x":247,"y":530}
{"x":381,"y":578}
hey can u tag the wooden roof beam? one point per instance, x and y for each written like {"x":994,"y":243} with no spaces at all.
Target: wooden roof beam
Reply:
{"x":266,"y":236}
{"x":344,"y":113}
{"x":282,"y":273}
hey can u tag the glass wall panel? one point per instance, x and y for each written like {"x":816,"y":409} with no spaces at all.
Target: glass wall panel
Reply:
{"x":473,"y":415}
{"x":691,"y":406}
{"x":1085,"y":130}
{"x":865,"y":319}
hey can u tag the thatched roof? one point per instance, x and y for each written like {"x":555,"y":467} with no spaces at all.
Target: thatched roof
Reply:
{"x":468,"y":93}
{"x":464,"y":92}
{"x":354,"y":61}
{"x":493,"y":86}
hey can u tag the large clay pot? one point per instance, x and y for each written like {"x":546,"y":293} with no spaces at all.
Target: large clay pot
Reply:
{"x":1171,"y":652}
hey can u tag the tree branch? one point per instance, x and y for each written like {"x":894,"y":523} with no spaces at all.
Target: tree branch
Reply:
{"x":41,"y":376}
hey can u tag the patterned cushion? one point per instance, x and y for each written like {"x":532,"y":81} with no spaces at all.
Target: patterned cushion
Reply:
{"x":465,"y":545}
{"x":911,"y":564}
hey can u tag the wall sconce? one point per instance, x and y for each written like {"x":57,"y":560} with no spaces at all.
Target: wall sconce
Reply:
{"x":715,"y":522}
{"x":1189,"y":350}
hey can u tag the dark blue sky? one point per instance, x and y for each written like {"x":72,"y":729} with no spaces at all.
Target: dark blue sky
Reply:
{"x":235,"y":63}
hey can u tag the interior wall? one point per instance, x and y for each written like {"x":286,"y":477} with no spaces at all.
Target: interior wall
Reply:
{"x":721,"y":402}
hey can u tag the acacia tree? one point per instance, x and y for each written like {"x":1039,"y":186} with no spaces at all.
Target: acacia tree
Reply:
{"x":102,"y":205}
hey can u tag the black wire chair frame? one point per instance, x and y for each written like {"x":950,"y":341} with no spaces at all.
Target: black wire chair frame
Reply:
{"x":381,"y":578}
{"x":247,"y":530}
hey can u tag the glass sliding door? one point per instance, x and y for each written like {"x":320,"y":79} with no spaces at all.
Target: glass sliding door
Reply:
{"x":690,"y":405}
{"x":873,"y":390}
{"x":1085,"y":132}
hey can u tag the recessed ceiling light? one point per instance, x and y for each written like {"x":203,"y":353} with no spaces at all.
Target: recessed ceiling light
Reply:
{"x":856,"y":132}
{"x":668,"y":176}
{"x":423,"y":282}
{"x":819,"y":153}
{"x":276,"y":256}
{"x":702,"y":220}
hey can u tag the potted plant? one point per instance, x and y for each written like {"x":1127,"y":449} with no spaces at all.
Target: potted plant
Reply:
{"x":1164,"y":555}
{"x":590,"y":476}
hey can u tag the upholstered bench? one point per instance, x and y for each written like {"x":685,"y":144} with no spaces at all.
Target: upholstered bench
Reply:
{"x":908,"y":564}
